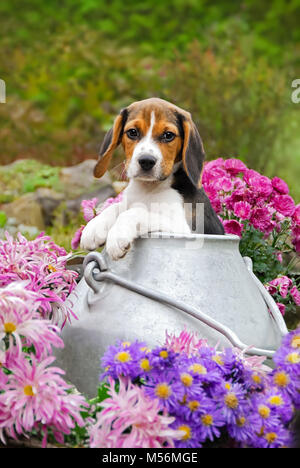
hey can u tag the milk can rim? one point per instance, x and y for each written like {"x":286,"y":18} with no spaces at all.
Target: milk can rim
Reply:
{"x":192,"y":236}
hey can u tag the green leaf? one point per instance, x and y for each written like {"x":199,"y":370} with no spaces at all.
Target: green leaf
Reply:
{"x":3,"y":219}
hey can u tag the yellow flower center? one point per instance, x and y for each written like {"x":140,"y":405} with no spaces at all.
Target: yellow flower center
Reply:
{"x":207,"y":419}
{"x":123,"y":356}
{"x":125,"y":344}
{"x":186,"y":379}
{"x":187,"y":431}
{"x":164,"y":354}
{"x":241,"y":421}
{"x":271,"y":437}
{"x":52,"y":268}
{"x":231,"y":400}
{"x":276,"y":400}
{"x":218,"y":359}
{"x":28,"y":390}
{"x":9,"y":327}
{"x":281,"y":379}
{"x":198,"y":369}
{"x":193,"y":405}
{"x":145,"y":365}
{"x":163,"y":391}
{"x":228,"y":386}
{"x":296,"y":342}
{"x":293,"y":358}
{"x":256,"y":378}
{"x":264,"y":411}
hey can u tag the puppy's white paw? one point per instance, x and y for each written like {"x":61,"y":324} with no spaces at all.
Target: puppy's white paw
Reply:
{"x":94,"y":234}
{"x":117,"y":246}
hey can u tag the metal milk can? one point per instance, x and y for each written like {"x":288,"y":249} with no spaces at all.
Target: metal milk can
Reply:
{"x":167,"y":282}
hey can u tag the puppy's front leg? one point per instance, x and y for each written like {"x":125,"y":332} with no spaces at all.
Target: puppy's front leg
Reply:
{"x":95,"y":233}
{"x":137,"y":222}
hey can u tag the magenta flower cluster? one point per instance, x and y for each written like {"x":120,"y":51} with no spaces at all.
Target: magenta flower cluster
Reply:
{"x":240,"y":194}
{"x":34,"y":284}
{"x":209,"y":398}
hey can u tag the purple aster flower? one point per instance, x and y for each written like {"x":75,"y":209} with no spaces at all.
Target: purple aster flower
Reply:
{"x":288,"y":358}
{"x":292,"y":340}
{"x":253,"y":380}
{"x":203,"y":370}
{"x":210,"y":423}
{"x":245,"y":428}
{"x":124,"y":359}
{"x":162,"y":358}
{"x":193,"y":408}
{"x":166,"y":388}
{"x":261,"y":407}
{"x":190,"y":433}
{"x":272,"y":437}
{"x":280,"y":403}
{"x":232,"y":399}
{"x":285,"y":383}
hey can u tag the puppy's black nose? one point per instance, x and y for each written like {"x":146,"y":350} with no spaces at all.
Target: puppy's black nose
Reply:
{"x":146,"y":161}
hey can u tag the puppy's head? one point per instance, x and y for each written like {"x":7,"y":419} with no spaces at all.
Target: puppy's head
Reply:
{"x":155,"y":135}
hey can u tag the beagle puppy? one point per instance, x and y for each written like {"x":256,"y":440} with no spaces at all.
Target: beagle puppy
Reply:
{"x":164,"y":162}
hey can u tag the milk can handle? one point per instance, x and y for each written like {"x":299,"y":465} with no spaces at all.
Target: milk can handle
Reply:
{"x":95,"y":261}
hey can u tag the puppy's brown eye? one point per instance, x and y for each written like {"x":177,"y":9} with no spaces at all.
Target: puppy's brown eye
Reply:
{"x":132,"y":133}
{"x":168,"y":136}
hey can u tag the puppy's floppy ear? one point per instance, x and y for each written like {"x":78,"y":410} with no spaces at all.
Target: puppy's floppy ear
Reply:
{"x":192,"y":149}
{"x":111,"y":140}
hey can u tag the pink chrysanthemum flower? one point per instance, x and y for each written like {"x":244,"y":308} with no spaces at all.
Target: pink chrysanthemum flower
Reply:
{"x":35,"y":396}
{"x":187,"y":343}
{"x":42,"y":264}
{"x":21,"y":323}
{"x":130,"y":419}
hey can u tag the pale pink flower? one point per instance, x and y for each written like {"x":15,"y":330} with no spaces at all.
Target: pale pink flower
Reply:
{"x":279,"y":256}
{"x":42,"y":264}
{"x":89,"y":208}
{"x":77,"y":237}
{"x":130,"y":419}
{"x":187,"y":342}
{"x":110,"y":201}
{"x":37,"y":397}
{"x":22,"y":325}
{"x":281,"y":307}
{"x":280,"y":284}
{"x":295,"y":293}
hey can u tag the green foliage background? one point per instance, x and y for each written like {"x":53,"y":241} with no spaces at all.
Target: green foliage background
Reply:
{"x":69,"y":66}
